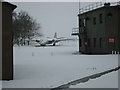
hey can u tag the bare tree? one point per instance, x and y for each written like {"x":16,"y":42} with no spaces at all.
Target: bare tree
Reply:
{"x":24,"y":26}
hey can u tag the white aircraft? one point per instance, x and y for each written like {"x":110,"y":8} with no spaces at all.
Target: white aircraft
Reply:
{"x":51,"y":41}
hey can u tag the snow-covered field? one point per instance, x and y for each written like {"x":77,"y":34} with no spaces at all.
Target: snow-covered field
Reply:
{"x":52,"y":66}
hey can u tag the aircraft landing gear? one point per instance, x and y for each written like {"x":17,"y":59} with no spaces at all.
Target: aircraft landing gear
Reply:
{"x":53,"y":44}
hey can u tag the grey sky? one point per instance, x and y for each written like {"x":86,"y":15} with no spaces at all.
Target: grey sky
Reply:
{"x":53,"y":17}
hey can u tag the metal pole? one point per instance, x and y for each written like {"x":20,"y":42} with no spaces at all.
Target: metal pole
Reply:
{"x":79,"y":6}
{"x":79,"y":26}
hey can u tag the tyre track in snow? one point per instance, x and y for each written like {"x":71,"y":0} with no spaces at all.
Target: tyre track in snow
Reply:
{"x":85,"y":79}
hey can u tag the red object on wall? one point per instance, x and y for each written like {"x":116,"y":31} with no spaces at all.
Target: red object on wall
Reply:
{"x":111,"y":40}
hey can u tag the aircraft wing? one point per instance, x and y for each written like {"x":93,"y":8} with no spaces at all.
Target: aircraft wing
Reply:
{"x":58,"y":40}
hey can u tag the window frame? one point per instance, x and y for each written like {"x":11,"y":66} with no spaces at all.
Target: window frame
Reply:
{"x":100,"y":18}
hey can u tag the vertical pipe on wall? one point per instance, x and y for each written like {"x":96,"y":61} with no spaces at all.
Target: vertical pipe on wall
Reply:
{"x":0,"y":45}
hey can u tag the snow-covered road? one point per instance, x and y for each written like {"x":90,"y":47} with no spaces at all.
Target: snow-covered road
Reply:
{"x":49,"y":67}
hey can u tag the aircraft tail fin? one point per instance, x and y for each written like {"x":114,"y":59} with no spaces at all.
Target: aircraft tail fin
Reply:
{"x":55,"y":35}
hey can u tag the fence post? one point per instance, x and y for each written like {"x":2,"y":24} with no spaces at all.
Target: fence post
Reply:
{"x":112,"y":52}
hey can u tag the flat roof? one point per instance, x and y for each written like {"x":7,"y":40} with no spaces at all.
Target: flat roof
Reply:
{"x":104,"y":7}
{"x":96,"y":6}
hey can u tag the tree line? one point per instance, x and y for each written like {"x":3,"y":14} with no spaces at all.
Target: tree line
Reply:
{"x":24,"y":27}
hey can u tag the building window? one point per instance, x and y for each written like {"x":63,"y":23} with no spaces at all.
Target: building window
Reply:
{"x":89,"y":42}
{"x":94,"y":42}
{"x":101,"y":18}
{"x":80,"y":22}
{"x":85,"y":42}
{"x":109,"y":15}
{"x":84,"y":21}
{"x":94,"y":20}
{"x":80,"y":43}
{"x":100,"y":42}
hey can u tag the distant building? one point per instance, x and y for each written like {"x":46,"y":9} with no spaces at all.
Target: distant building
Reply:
{"x":7,"y":40}
{"x":99,"y":28}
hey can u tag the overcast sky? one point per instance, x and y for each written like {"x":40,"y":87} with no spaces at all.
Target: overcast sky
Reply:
{"x":53,"y":17}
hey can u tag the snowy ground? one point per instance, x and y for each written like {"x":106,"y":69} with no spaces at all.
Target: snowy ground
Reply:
{"x":49,"y":67}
